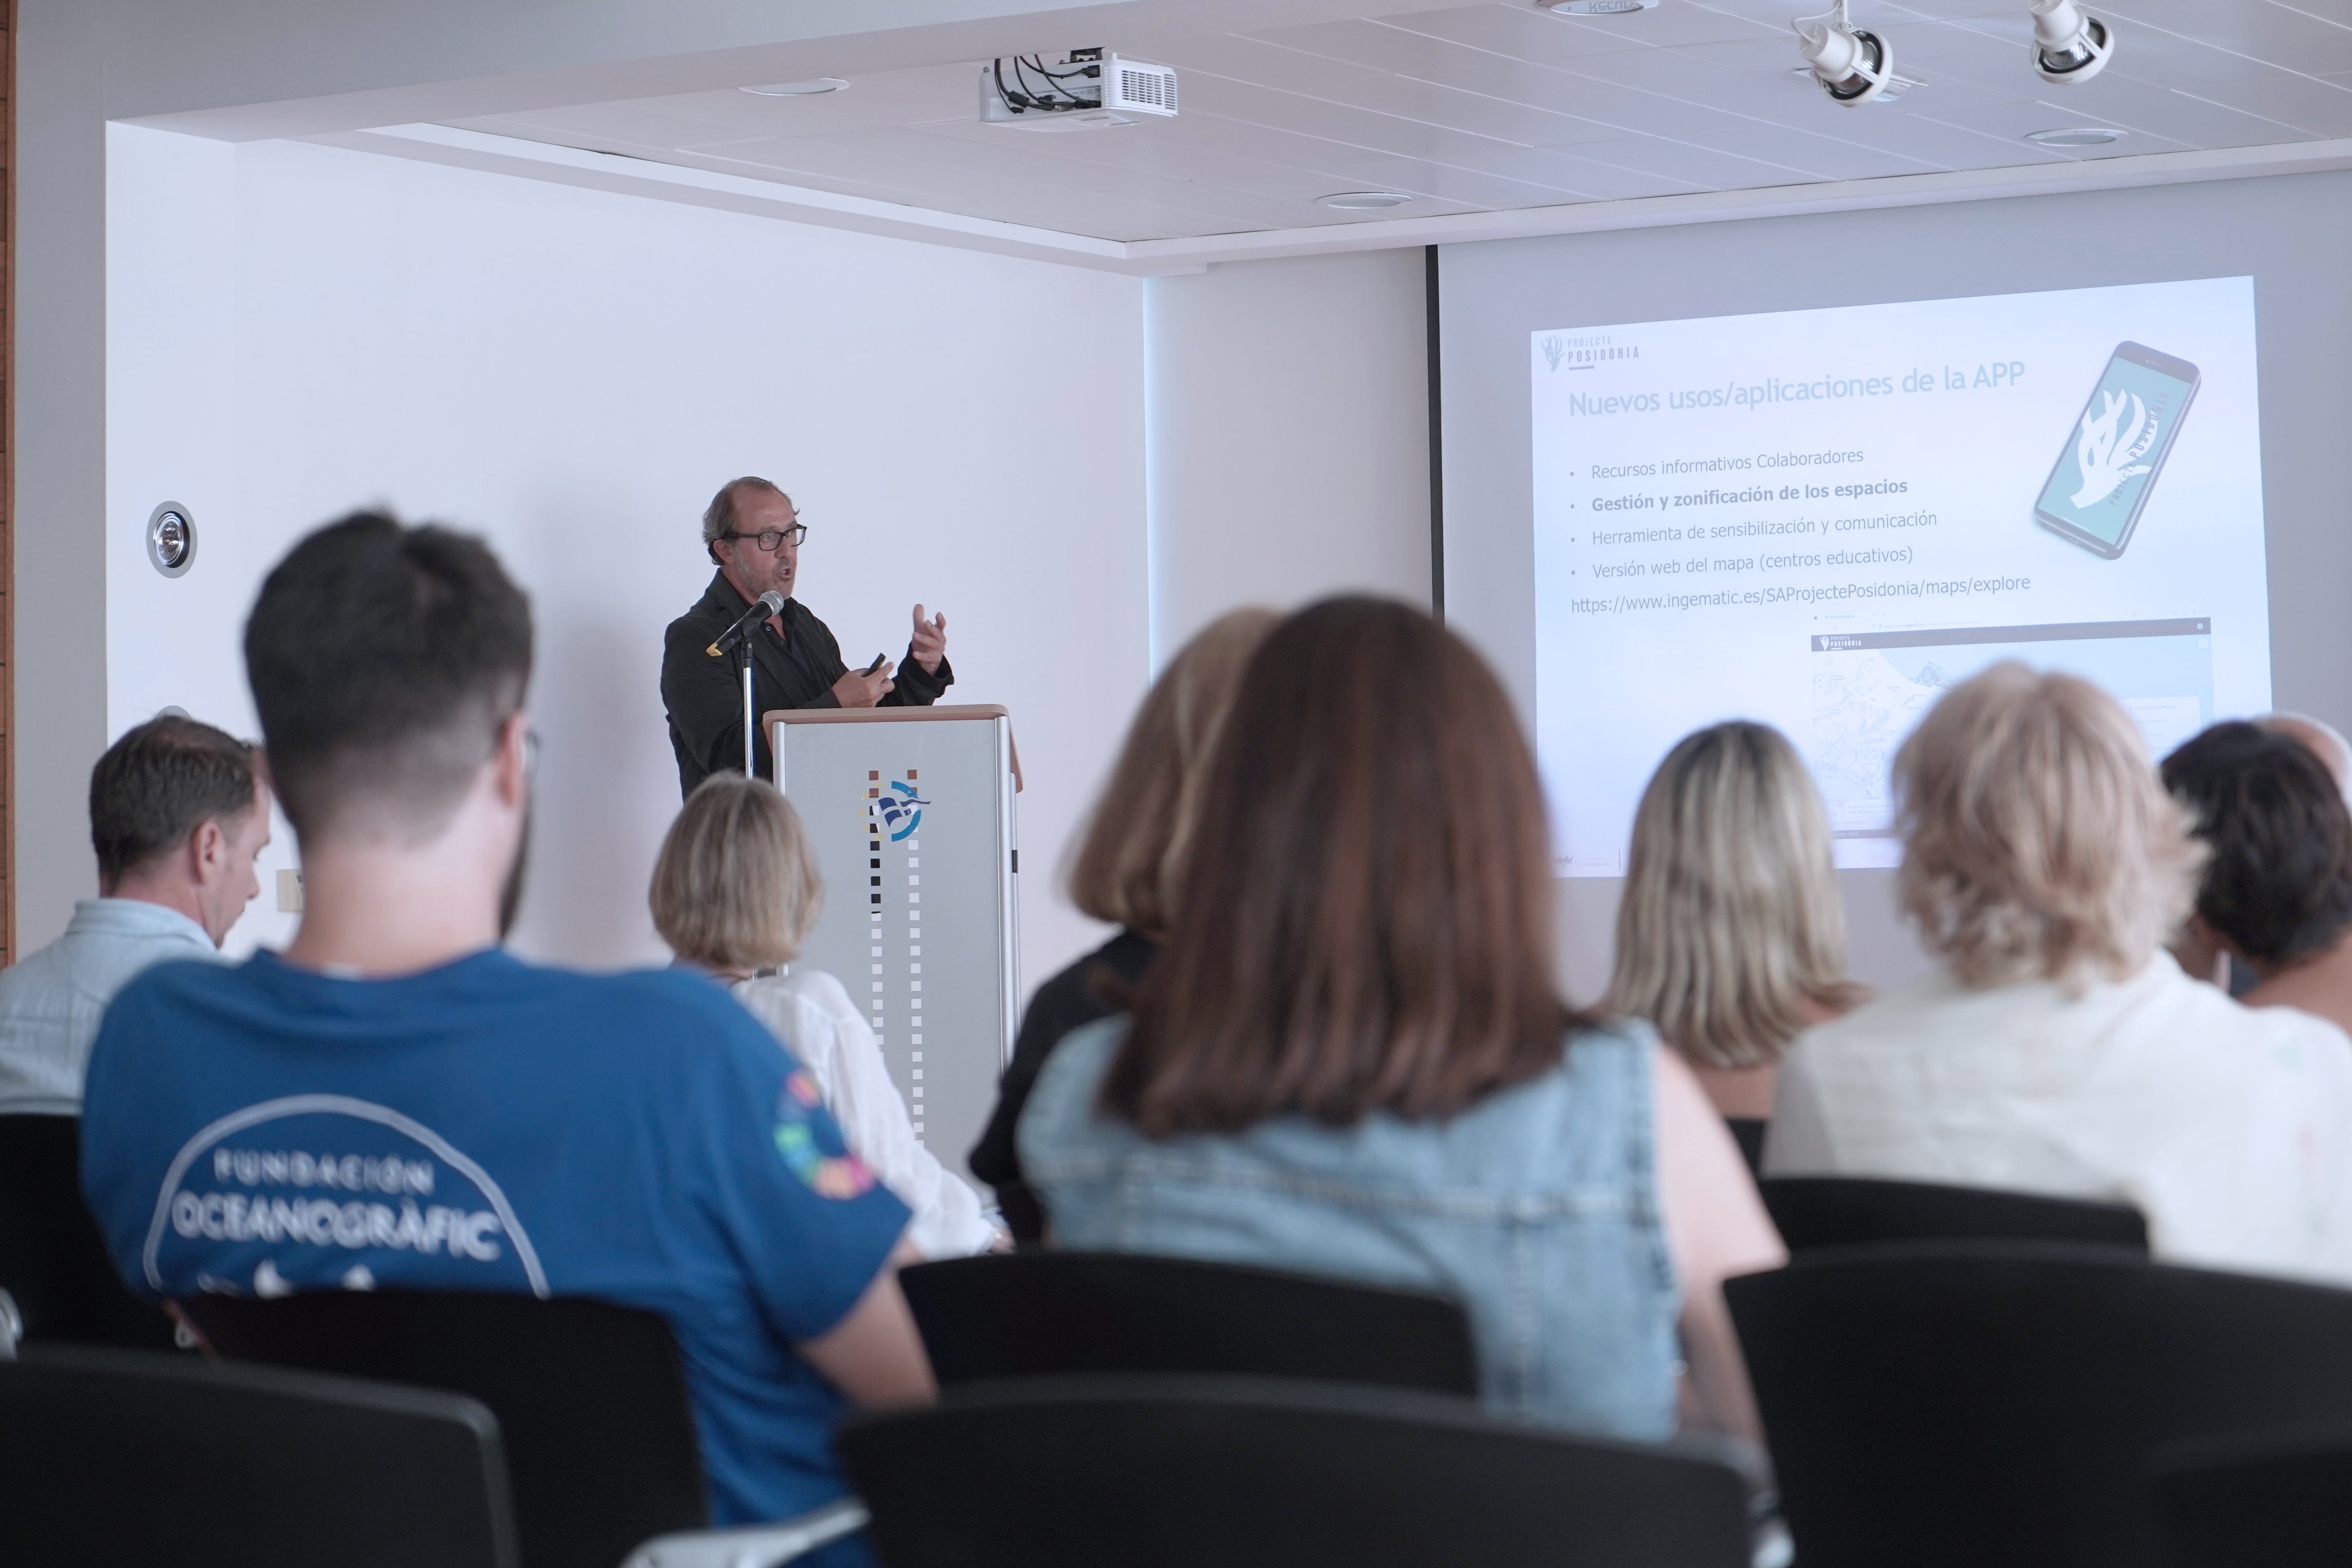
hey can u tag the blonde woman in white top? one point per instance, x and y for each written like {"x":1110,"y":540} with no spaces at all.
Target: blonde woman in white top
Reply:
{"x":734,"y":891}
{"x":2060,"y":1049}
{"x":1731,"y":933}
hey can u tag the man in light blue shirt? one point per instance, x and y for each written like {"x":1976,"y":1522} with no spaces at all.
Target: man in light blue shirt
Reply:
{"x":177,"y":812}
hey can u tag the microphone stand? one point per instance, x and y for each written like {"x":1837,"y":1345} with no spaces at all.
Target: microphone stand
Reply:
{"x":744,"y":652}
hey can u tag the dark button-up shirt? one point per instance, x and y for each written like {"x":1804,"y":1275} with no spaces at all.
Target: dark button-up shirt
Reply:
{"x":705,"y":695}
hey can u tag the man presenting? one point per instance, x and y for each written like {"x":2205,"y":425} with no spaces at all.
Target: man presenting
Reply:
{"x":753,"y":534}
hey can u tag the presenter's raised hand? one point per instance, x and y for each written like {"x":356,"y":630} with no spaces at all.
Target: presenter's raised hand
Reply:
{"x":865,"y":688}
{"x":930,"y":643}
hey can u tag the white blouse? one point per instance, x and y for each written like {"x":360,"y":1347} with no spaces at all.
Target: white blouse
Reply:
{"x":811,"y":1015}
{"x":2229,"y":1127}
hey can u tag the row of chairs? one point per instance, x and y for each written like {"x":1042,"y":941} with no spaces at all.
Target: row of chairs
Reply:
{"x":2004,"y":1398}
{"x":54,"y":1265}
{"x":2020,"y":1403}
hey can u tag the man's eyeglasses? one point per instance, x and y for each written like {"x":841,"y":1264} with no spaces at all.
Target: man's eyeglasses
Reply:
{"x":767,"y":539}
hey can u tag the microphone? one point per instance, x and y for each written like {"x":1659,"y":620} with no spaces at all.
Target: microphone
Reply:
{"x":771,"y":604}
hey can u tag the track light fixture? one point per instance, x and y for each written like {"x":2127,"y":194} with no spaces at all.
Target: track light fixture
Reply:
{"x":2070,"y":45}
{"x":1853,"y":65}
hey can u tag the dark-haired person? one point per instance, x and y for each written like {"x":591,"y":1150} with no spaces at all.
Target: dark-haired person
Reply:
{"x":1124,"y":871}
{"x":752,"y":535}
{"x":2277,"y":892}
{"x":397,"y":1101}
{"x":176,"y":815}
{"x":1350,"y":1058}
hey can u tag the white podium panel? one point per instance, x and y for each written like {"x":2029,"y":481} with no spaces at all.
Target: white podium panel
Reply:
{"x":910,"y":813}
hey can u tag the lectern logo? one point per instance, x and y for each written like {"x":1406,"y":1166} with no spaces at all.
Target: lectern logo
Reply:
{"x":1552,"y":349}
{"x":901,"y":808}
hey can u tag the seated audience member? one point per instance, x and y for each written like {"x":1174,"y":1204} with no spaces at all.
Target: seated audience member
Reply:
{"x":176,"y":815}
{"x":735,"y":891}
{"x":397,"y":1101}
{"x":2326,"y":743}
{"x":2060,"y":1049}
{"x":1123,"y":872}
{"x":1730,"y":932}
{"x":2199,"y":951}
{"x":2278,"y":893}
{"x":1350,"y":1057}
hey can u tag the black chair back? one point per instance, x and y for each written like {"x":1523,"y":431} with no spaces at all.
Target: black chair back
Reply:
{"x":131,"y":1456}
{"x":1851,"y":1211}
{"x":1175,"y":1472}
{"x":53,"y":1261}
{"x":600,"y":1441}
{"x":1037,"y":1314}
{"x":1972,"y":1402}
{"x":2280,"y":1500}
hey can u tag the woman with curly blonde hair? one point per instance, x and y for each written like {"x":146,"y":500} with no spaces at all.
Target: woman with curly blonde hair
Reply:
{"x":2059,"y":1049}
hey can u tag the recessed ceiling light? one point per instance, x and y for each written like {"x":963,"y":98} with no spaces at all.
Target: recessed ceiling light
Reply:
{"x":1364,"y":201}
{"x":2075,"y":136}
{"x":1595,"y":7}
{"x":809,"y":89}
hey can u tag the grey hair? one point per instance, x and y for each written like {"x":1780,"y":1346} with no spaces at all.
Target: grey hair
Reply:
{"x":719,"y":516}
{"x":1730,"y":935}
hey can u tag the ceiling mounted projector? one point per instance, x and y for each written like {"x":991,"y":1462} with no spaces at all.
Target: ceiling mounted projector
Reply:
{"x":2070,"y":45}
{"x":1087,"y":91}
{"x":1853,"y":65}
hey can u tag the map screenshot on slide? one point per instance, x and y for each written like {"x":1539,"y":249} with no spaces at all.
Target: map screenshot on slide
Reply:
{"x":1822,"y":518}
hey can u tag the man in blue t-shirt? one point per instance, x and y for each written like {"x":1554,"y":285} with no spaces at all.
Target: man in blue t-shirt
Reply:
{"x":396,"y":1102}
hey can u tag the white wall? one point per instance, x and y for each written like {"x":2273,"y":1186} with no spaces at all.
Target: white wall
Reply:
{"x":1289,"y":428}
{"x":295,"y":330}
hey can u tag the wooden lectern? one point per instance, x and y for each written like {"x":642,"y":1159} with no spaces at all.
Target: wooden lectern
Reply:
{"x":911,"y":814}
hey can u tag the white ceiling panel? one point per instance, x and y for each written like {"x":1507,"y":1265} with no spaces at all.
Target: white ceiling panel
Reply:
{"x":1520,"y":32}
{"x":2013,"y":122}
{"x":1525,"y":34}
{"x":993,"y":194}
{"x":1265,"y":65}
{"x":1469,"y":186}
{"x":2179,"y":117}
{"x":2255,"y":28}
{"x":1609,"y":170}
{"x":1960,"y":64}
{"x":1706,"y":167}
{"x":1832,"y":143}
{"x":1196,"y":158}
{"x":1025,"y":159}
{"x":2161,"y":59}
{"x":1502,"y":108}
{"x":1918,"y":54}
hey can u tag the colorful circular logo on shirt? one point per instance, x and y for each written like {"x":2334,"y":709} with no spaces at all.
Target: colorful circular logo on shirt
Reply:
{"x":813,"y":1149}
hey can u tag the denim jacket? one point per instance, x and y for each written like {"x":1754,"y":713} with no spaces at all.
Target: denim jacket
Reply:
{"x":1536,"y":1208}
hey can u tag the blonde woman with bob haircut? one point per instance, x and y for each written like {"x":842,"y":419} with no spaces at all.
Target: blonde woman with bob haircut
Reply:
{"x":1123,"y":870}
{"x":735,"y":890}
{"x":2059,"y":1049}
{"x":1731,"y":933}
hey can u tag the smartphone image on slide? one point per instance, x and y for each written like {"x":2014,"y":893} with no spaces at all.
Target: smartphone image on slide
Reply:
{"x":2111,"y":459}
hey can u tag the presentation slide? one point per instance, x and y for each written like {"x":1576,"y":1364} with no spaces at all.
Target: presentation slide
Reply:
{"x":1822,"y":519}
